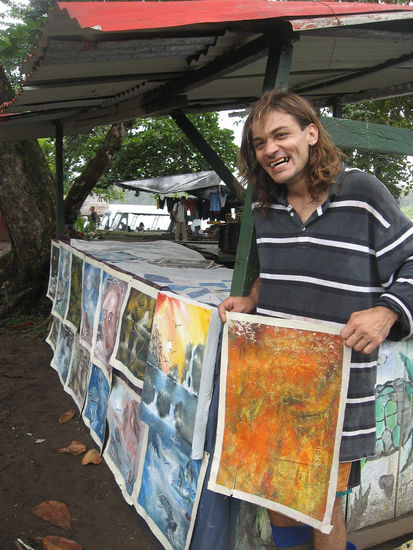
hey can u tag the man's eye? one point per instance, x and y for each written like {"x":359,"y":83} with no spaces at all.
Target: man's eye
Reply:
{"x":258,"y":146}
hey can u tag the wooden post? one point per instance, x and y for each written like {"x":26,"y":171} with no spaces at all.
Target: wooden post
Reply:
{"x":246,"y":266}
{"x":209,"y":154}
{"x":60,"y":220}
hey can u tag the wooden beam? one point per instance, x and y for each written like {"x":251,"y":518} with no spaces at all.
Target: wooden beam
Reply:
{"x":246,"y":266}
{"x":356,"y":74}
{"x":368,"y":136}
{"x":220,"y":66}
{"x":209,"y":154}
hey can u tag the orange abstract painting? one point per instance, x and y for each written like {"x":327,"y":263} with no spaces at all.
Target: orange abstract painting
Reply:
{"x":283,"y":404}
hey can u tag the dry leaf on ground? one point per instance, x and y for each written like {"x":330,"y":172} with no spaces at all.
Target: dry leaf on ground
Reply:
{"x":91,"y":457}
{"x":67,"y":416}
{"x":60,"y":543}
{"x":54,"y":512}
{"x":74,"y":448}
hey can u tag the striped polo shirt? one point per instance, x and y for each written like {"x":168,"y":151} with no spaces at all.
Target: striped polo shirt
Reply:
{"x":353,"y":253}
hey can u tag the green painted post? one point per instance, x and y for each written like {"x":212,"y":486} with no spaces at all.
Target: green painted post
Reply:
{"x":246,"y":266}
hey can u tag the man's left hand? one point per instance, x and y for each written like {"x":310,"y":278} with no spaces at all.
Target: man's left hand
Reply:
{"x":367,"y":329}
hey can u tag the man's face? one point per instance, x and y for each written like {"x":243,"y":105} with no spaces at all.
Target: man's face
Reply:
{"x":110,"y":308}
{"x":282,"y":147}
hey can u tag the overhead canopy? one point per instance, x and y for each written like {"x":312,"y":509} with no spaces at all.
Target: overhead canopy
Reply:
{"x":101,"y":62}
{"x":195,"y":184}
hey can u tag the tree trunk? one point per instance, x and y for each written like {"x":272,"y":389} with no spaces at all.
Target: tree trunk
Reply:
{"x":95,"y":168}
{"x":28,"y":204}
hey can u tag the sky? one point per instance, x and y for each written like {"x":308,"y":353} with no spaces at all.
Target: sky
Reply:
{"x":234,"y":123}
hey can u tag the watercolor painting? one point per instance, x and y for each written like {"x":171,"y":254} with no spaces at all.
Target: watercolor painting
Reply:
{"x":75,"y":299}
{"x":167,"y":407}
{"x":90,"y":296}
{"x":94,"y":413}
{"x":180,"y":362}
{"x":168,"y":491}
{"x":385,"y":491}
{"x":283,"y":390}
{"x":126,"y":433}
{"x":64,"y":349}
{"x":54,"y":269}
{"x":112,"y":295}
{"x":77,"y":379}
{"x":54,"y":333}
{"x":135,"y":332}
{"x":63,"y":283}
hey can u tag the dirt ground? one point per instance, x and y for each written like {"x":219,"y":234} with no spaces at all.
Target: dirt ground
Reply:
{"x":31,"y":402}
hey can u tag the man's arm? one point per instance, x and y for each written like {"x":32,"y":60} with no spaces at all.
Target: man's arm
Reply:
{"x":240,"y":304}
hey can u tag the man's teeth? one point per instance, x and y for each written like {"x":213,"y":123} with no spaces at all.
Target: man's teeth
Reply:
{"x":279,"y":161}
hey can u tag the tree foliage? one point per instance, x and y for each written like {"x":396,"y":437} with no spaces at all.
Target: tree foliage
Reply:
{"x":154,"y":147}
{"x":395,"y":171}
{"x":18,"y":37}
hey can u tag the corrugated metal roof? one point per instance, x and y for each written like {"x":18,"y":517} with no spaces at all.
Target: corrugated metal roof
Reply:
{"x":101,"y":62}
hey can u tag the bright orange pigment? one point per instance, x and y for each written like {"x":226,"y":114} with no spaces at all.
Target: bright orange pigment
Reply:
{"x":282,"y":399}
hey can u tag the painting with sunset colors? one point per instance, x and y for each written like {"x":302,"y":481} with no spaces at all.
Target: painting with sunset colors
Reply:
{"x":177,"y":387}
{"x":281,"y":410}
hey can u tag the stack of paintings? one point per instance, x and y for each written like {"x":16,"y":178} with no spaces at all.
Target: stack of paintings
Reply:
{"x":148,"y":417}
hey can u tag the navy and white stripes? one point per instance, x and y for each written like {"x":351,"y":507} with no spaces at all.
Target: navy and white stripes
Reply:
{"x":355,"y":252}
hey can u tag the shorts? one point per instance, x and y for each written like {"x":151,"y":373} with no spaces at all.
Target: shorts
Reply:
{"x":348,"y":477}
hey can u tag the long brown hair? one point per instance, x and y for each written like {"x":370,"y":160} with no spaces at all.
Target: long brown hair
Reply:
{"x":324,"y":158}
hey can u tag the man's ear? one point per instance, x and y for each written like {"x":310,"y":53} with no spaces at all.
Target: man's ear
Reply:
{"x":312,"y":133}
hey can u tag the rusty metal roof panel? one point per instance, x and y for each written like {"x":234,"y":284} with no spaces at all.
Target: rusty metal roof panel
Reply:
{"x":111,"y":61}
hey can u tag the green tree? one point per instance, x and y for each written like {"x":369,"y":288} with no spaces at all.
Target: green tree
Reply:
{"x":154,"y":147}
{"x":395,"y":171}
{"x":27,"y":194}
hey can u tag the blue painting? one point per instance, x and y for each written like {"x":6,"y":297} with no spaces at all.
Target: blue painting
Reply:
{"x":63,"y":283}
{"x":54,"y":270}
{"x":96,"y":405}
{"x":113,"y":294}
{"x":54,"y":333}
{"x":168,"y":407}
{"x":90,"y":295}
{"x":125,"y":435}
{"x":168,"y":490}
{"x":63,"y":354}
{"x":77,"y":380}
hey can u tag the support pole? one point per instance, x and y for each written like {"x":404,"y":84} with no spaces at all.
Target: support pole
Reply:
{"x":246,"y":266}
{"x":209,"y":154}
{"x":60,"y":221}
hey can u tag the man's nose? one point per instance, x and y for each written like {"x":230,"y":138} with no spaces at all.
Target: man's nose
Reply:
{"x":271,"y":147}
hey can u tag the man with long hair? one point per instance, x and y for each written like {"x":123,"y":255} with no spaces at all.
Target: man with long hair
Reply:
{"x":333,"y":247}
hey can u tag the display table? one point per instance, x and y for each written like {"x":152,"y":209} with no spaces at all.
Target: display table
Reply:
{"x":136,"y":341}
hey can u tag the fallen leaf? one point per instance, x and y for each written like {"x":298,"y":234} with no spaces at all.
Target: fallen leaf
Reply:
{"x":67,"y":416}
{"x":54,"y":512}
{"x":60,"y":543}
{"x":74,"y":448}
{"x":91,"y":457}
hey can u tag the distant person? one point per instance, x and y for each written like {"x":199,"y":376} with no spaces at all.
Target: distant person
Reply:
{"x":141,"y":227}
{"x":179,"y":212}
{"x":93,"y":215}
{"x":198,"y":231}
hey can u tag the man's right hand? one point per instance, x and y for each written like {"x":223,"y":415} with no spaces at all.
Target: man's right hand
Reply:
{"x":240,"y":304}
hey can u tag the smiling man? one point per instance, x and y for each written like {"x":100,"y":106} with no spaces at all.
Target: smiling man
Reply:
{"x":333,"y":247}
